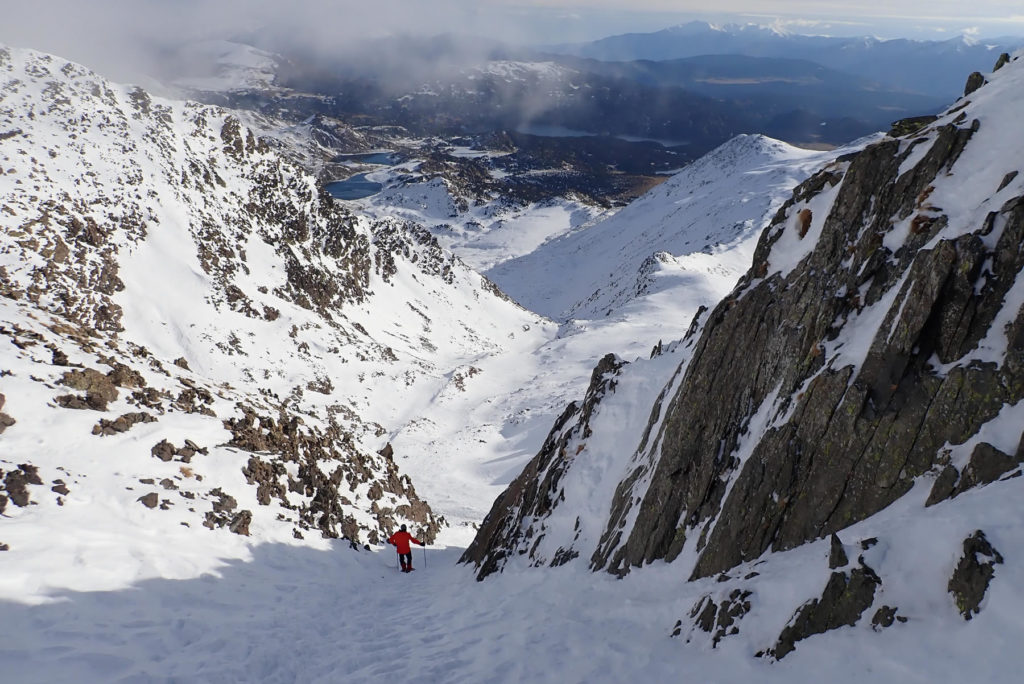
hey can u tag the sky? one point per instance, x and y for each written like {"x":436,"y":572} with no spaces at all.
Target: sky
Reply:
{"x":122,"y":38}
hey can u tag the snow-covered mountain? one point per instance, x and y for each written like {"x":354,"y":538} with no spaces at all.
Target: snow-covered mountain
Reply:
{"x":199,"y":336}
{"x":856,"y":402}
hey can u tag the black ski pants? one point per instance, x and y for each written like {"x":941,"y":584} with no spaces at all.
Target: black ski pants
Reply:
{"x":405,"y":559}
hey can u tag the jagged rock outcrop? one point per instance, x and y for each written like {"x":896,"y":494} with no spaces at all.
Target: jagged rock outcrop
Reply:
{"x":843,"y":601}
{"x":515,"y":524}
{"x":841,"y":437}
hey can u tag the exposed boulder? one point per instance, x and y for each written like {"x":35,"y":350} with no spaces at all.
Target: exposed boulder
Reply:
{"x":163,"y":450}
{"x":973,"y":574}
{"x":16,"y":482}
{"x":166,"y":451}
{"x":974,"y":81}
{"x":886,"y":616}
{"x":150,"y":500}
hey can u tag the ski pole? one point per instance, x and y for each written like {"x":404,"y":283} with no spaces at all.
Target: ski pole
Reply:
{"x":424,"y":556}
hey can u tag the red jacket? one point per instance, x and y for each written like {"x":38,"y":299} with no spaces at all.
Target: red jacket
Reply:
{"x":400,"y":540}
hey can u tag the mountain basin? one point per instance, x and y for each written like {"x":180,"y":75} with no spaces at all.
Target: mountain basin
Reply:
{"x":356,"y":187}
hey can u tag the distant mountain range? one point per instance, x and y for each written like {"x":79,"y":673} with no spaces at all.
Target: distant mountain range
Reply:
{"x":928,"y":67}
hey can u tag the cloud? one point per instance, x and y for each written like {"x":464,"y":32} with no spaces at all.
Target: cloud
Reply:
{"x":126,"y":39}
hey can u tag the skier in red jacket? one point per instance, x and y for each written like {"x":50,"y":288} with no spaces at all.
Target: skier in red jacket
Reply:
{"x":400,"y":540}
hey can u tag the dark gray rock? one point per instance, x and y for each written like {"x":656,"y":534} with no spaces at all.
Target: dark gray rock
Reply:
{"x":150,"y":500}
{"x":843,"y":601}
{"x":987,"y":464}
{"x":1002,"y":61}
{"x":1007,"y":179}
{"x":974,"y":81}
{"x":836,"y":556}
{"x":720,"y":619}
{"x":858,"y":437}
{"x":16,"y":482}
{"x":973,"y":574}
{"x":886,"y":616}
{"x":911,"y":125}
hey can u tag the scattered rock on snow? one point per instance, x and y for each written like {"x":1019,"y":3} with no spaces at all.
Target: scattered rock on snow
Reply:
{"x":150,"y":500}
{"x":973,"y":574}
{"x":720,"y":619}
{"x":122,"y":423}
{"x":166,"y":451}
{"x":240,"y":523}
{"x":163,"y":450}
{"x":884,"y":617}
{"x":5,"y":420}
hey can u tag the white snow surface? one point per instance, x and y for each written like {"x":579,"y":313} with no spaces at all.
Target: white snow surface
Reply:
{"x":99,"y":589}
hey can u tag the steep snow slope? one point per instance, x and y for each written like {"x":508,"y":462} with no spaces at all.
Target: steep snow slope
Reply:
{"x":863,"y":378}
{"x":696,"y":228}
{"x":240,"y":345}
{"x":680,"y":247}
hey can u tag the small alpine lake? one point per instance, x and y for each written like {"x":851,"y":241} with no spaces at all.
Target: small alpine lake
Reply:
{"x":356,"y":187}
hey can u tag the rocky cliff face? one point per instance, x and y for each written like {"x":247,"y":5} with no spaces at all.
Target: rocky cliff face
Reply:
{"x":875,"y":346}
{"x":185,"y":303}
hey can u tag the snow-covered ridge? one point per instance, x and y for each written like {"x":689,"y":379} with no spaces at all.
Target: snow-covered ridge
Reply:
{"x":866,"y":368}
{"x":707,"y":216}
{"x":167,"y":276}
